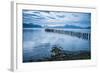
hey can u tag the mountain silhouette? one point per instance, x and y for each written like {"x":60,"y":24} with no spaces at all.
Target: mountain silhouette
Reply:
{"x":72,"y":26}
{"x":30,"y":25}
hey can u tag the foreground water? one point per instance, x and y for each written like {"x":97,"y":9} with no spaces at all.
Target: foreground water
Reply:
{"x":37,"y":43}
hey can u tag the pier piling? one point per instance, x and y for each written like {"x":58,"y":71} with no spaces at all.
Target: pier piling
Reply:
{"x":82,"y":35}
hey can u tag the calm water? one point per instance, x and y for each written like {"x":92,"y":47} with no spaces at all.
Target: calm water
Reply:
{"x":37,"y":43}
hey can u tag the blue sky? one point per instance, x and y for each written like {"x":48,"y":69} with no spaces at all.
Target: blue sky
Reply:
{"x":56,"y":18}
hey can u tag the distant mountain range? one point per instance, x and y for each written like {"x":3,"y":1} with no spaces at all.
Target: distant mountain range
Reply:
{"x":30,"y":25}
{"x":72,"y":26}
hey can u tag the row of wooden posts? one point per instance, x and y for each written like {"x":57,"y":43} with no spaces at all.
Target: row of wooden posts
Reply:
{"x":81,"y":35}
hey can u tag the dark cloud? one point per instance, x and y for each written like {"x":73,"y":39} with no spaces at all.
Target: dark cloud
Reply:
{"x":51,"y":17}
{"x":61,"y":16}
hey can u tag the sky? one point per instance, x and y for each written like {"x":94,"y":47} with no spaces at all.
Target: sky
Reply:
{"x":56,"y":18}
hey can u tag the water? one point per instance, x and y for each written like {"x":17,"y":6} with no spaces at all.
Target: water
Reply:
{"x":37,"y":43}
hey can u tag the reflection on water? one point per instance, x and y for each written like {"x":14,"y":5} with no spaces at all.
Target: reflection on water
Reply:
{"x":37,"y":43}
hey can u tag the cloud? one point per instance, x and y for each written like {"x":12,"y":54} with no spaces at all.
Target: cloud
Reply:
{"x":56,"y":17}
